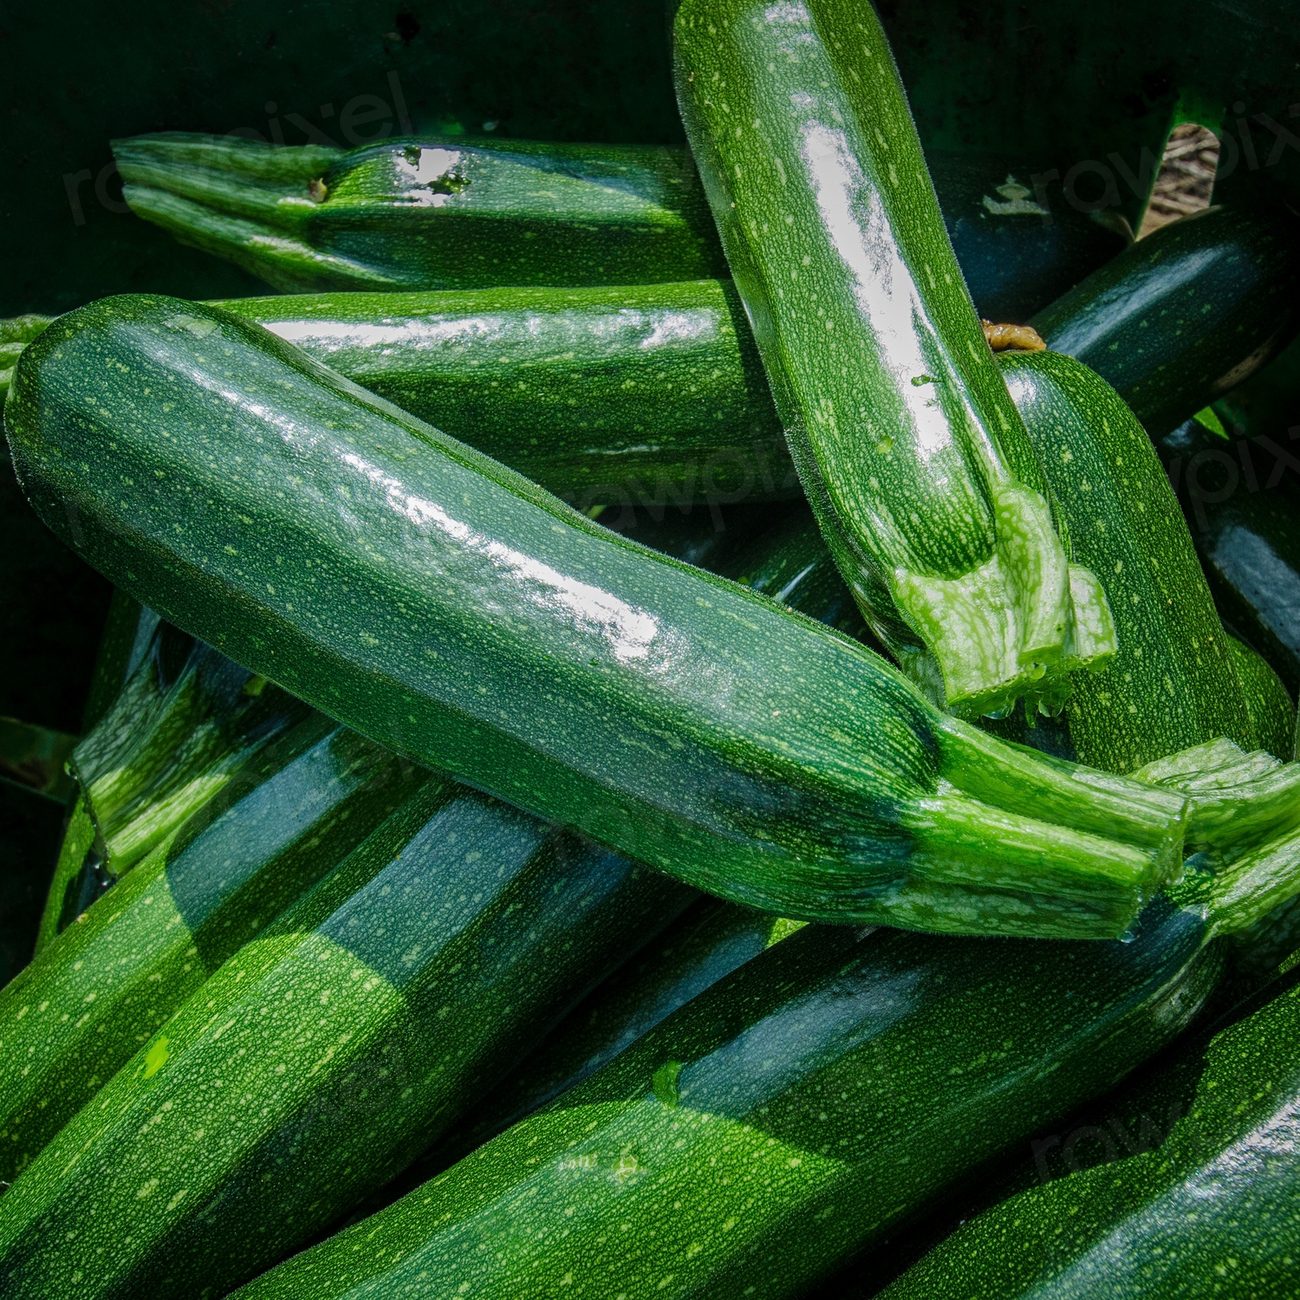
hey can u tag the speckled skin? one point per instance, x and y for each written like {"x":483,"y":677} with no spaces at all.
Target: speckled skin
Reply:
{"x":428,"y":213}
{"x":791,"y":1113}
{"x":626,"y":395}
{"x":1182,"y":1189}
{"x":456,"y":613}
{"x":315,"y":1062}
{"x":907,"y":444}
{"x":1177,"y":679}
{"x":1186,"y":314}
{"x":69,"y":1020}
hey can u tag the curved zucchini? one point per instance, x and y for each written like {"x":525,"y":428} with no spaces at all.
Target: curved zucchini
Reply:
{"x":306,"y":1070}
{"x":427,"y":213}
{"x":102,"y":987}
{"x":906,"y":441}
{"x":1222,"y":283}
{"x":455,"y":613}
{"x":1177,"y":679}
{"x":790,"y":1114}
{"x":1202,"y":1203}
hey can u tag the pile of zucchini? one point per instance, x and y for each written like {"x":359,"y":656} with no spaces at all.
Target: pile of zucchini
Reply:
{"x":639,"y":745}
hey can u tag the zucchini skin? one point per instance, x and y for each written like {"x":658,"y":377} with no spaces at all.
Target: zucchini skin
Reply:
{"x":101,"y":988}
{"x":908,"y":447}
{"x":320,"y":1056}
{"x":758,"y":1135}
{"x":491,"y":631}
{"x":1239,"y":500}
{"x":573,"y":367}
{"x":239,"y":200}
{"x":415,"y":213}
{"x":1186,"y":315}
{"x":1178,"y":679}
{"x":631,"y":395}
{"x":1202,"y":1203}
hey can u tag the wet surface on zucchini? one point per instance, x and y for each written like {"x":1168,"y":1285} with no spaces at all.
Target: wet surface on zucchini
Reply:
{"x":828,"y":1087}
{"x":455,"y":612}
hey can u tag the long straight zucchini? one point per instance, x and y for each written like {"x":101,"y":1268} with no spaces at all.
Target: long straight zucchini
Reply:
{"x":1185,"y":1186}
{"x":427,"y":214}
{"x":792,"y":1113}
{"x":102,"y":987}
{"x":554,"y":381}
{"x":908,"y":446}
{"x":313,"y":1063}
{"x":433,"y":213}
{"x":455,"y":613}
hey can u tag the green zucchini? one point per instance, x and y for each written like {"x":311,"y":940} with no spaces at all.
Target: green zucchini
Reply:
{"x":305,"y":1070}
{"x":908,"y":446}
{"x":1177,"y":679}
{"x":455,"y":613}
{"x":427,"y":213}
{"x":316,"y":219}
{"x":792,"y":1113}
{"x":186,"y":720}
{"x":1186,"y":1185}
{"x":101,"y":988}
{"x":1222,"y":283}
{"x":553,"y":381}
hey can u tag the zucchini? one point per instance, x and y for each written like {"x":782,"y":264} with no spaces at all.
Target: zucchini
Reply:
{"x":427,"y":213}
{"x":100,"y":989}
{"x":793,"y":1112}
{"x":186,"y":720}
{"x":457,"y":614}
{"x":908,"y":446}
{"x":315,"y":219}
{"x":1177,"y":679}
{"x":1222,"y":283}
{"x":1239,"y":500}
{"x":301,"y":1074}
{"x":1202,"y":1203}
{"x":572,"y":366}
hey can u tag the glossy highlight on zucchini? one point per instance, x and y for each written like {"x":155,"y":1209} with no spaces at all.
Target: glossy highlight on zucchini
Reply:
{"x":1201,"y":1200}
{"x":427,"y":214}
{"x":907,"y":444}
{"x":309,"y":1067}
{"x":454,"y":612}
{"x":102,"y":987}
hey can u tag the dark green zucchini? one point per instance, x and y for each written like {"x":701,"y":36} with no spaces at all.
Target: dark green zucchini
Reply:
{"x":1186,"y":314}
{"x":454,"y":612}
{"x":907,"y":444}
{"x":316,"y":219}
{"x":102,"y":987}
{"x":1239,"y":500}
{"x":1185,"y":1185}
{"x":554,"y":382}
{"x":427,"y":214}
{"x":308,"y":1068}
{"x":790,"y":1114}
